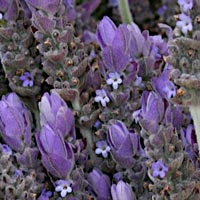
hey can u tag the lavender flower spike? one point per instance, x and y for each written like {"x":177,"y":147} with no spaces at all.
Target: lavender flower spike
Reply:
{"x":123,"y":144}
{"x":57,"y":156}
{"x":100,"y":184}
{"x":122,"y":191}
{"x":106,"y":32}
{"x":15,"y":122}
{"x":55,"y":112}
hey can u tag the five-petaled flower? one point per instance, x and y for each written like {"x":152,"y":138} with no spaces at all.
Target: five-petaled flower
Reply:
{"x":186,"y":4}
{"x":114,"y":80}
{"x":159,"y":169}
{"x":64,"y":187}
{"x":184,"y":23}
{"x":27,"y":79}
{"x":102,"y":97}
{"x":102,"y":148}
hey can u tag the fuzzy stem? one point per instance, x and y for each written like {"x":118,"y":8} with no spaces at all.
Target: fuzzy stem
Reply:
{"x":88,"y":135}
{"x":195,"y":113}
{"x":125,"y":11}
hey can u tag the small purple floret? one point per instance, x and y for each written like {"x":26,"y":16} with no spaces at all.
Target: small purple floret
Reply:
{"x":27,"y":79}
{"x":159,"y":169}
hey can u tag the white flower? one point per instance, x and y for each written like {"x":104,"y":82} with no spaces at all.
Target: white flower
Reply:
{"x":186,"y":4}
{"x":114,"y":80}
{"x":102,"y":97}
{"x":102,"y":148}
{"x":63,"y":187}
{"x":184,"y":23}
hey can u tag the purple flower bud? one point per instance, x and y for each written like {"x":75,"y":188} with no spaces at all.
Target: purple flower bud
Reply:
{"x":57,"y":156}
{"x":137,"y":40}
{"x":55,"y":112}
{"x":106,"y":32}
{"x":10,"y":9}
{"x":29,"y":158}
{"x":163,"y":86}
{"x":152,"y":111}
{"x":100,"y":184}
{"x":122,"y":191}
{"x":45,"y":195}
{"x":15,"y":122}
{"x":48,"y":6}
{"x":123,"y":144}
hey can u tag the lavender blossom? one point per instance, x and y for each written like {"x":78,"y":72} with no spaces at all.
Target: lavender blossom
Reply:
{"x":106,"y":32}
{"x":163,"y":86}
{"x":100,"y":184}
{"x":123,"y":144}
{"x":45,"y":195}
{"x":57,"y":156}
{"x":122,"y":191}
{"x":55,"y":112}
{"x":15,"y":122}
{"x":152,"y":111}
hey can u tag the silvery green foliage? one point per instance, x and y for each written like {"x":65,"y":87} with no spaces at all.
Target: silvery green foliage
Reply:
{"x":18,"y":53}
{"x":184,"y":59}
{"x":63,"y":56}
{"x":18,"y":182}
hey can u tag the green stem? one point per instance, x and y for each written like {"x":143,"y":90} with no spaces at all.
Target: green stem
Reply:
{"x":125,"y":11}
{"x":88,"y":135}
{"x":195,"y":113}
{"x":76,"y":104}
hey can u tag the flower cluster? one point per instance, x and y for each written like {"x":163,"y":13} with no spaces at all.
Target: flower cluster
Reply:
{"x":98,"y":107}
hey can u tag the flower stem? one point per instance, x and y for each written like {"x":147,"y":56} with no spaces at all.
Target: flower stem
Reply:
{"x":88,"y":135}
{"x":125,"y":11}
{"x":195,"y":113}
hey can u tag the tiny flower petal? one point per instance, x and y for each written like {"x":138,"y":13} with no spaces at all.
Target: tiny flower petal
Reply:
{"x":102,"y":148}
{"x":114,"y":80}
{"x":63,"y":187}
{"x":184,"y":23}
{"x":63,"y":193}
{"x":159,"y":169}
{"x":27,"y":79}
{"x":102,"y":97}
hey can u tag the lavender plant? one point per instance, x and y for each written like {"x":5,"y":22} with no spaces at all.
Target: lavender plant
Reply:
{"x":94,"y":107}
